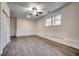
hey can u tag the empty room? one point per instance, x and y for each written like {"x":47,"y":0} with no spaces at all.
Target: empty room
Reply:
{"x":39,"y":28}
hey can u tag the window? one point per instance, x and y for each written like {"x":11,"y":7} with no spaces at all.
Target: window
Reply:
{"x":56,"y":20}
{"x":48,"y":22}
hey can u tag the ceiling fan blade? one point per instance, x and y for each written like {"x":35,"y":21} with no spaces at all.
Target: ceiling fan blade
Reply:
{"x":31,"y":14}
{"x":36,"y":14}
{"x":28,"y":11}
{"x":39,"y":12}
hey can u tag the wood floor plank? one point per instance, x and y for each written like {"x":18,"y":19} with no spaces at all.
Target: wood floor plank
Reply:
{"x":36,"y":46}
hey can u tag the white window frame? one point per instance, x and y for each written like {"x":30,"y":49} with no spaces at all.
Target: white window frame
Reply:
{"x":48,"y":22}
{"x":54,"y":20}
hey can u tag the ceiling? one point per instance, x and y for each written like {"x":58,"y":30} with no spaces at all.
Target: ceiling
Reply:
{"x":18,"y":9}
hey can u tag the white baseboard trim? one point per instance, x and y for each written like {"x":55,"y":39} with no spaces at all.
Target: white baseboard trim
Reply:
{"x":71,"y":43}
{"x":24,"y":35}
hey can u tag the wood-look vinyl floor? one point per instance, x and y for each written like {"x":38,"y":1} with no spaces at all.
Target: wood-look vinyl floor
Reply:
{"x":36,"y":46}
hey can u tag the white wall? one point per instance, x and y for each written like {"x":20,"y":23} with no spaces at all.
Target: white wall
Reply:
{"x":69,"y":30}
{"x":5,"y":25}
{"x":0,"y":28}
{"x":13,"y":25}
{"x":25,"y":27}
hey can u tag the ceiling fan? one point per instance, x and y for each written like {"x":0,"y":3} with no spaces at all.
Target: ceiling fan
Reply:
{"x":34,"y":11}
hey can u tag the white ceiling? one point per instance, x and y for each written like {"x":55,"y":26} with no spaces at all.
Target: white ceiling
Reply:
{"x":18,"y":8}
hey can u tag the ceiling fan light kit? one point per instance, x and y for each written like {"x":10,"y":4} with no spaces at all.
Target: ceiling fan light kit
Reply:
{"x":34,"y":11}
